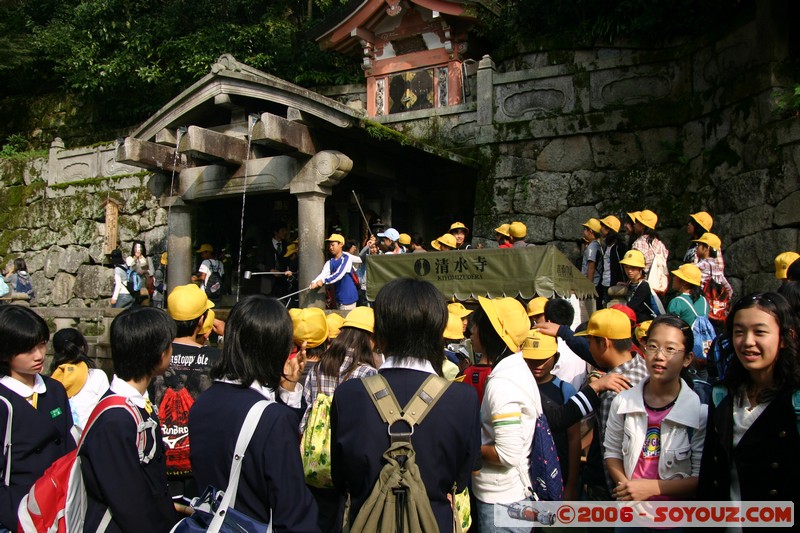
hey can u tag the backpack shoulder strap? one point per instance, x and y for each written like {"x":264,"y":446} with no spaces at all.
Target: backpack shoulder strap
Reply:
{"x":705,"y":304}
{"x":109,"y":402}
{"x":417,"y":407}
{"x":383,"y":397}
{"x":7,"y":441}
{"x":116,"y":401}
{"x":424,"y":399}
{"x":242,"y":441}
{"x":689,"y":303}
{"x":560,"y":383}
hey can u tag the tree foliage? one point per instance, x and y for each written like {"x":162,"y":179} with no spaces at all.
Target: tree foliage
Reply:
{"x":132,"y":56}
{"x":585,"y":22}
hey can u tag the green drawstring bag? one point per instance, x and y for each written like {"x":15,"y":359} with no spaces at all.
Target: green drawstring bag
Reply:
{"x":317,"y":444}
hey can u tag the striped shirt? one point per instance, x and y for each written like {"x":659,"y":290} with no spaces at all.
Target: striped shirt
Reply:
{"x":320,"y":383}
{"x":636,"y":371}
{"x":709,"y":268}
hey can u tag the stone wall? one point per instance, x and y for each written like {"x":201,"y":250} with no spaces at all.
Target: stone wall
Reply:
{"x":53,"y":214}
{"x":565,"y":135}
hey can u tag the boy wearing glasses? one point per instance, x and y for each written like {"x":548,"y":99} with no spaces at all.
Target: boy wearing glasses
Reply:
{"x":609,"y":335}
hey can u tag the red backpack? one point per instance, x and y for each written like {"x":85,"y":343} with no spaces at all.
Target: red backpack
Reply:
{"x":174,"y":415}
{"x":719,"y":301}
{"x":57,"y":501}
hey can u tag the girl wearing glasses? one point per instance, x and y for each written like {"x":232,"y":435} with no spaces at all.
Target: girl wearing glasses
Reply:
{"x":655,"y":431}
{"x":752,"y":442}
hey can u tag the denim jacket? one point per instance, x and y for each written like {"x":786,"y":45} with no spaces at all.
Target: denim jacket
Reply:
{"x":683,"y":432}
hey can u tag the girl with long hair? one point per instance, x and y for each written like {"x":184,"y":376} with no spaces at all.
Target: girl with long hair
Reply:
{"x":254,"y":366}
{"x":350,"y":356}
{"x":752,"y":440}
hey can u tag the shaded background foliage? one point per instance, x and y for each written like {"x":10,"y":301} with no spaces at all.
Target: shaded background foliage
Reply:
{"x":588,"y":22}
{"x":126,"y":58}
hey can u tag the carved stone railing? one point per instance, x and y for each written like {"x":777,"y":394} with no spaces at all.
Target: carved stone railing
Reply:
{"x":83,"y":163}
{"x":94,"y":322}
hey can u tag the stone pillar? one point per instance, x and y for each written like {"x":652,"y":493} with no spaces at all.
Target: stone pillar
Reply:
{"x":311,"y":186}
{"x":53,"y":164}
{"x":485,"y":100}
{"x":311,"y":228}
{"x":179,"y":242}
{"x":485,"y":91}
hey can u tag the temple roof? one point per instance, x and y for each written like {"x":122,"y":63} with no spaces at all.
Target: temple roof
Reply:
{"x":223,"y":100}
{"x":340,"y":31}
{"x":252,"y":90}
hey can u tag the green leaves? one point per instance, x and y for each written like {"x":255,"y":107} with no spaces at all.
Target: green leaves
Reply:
{"x":132,"y":56}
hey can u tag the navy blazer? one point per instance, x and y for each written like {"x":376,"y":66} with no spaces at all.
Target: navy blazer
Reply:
{"x":766,"y":458}
{"x":38,"y":437}
{"x":136,"y":493}
{"x":447,"y":443}
{"x":272,"y":472}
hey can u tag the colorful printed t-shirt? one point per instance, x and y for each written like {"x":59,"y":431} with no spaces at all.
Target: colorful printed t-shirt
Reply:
{"x":647,"y":466}
{"x":174,"y":393}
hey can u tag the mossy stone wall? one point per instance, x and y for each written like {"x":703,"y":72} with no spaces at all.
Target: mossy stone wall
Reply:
{"x":677,"y":129}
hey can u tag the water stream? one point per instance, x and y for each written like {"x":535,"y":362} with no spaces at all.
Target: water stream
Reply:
{"x":175,"y":159}
{"x":251,"y":122}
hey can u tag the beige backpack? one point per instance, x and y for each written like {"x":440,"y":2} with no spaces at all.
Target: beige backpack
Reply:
{"x":398,"y":501}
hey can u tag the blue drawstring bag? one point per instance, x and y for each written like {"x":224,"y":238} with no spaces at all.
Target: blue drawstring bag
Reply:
{"x":214,"y":511}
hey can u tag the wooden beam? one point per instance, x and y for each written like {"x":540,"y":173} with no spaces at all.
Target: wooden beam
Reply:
{"x":167,"y":137}
{"x":268,"y":174}
{"x":364,"y":35}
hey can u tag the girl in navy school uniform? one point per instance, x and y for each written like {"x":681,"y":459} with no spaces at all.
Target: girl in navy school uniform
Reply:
{"x":41,"y":421}
{"x":751,"y":445}
{"x":126,"y":488}
{"x":254,"y":367}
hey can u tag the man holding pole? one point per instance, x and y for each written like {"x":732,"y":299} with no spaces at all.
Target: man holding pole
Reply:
{"x":337,"y":273}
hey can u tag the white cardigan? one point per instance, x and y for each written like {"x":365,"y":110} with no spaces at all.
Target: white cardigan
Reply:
{"x":627,"y":426}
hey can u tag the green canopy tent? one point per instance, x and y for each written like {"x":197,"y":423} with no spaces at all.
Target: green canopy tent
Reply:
{"x":467,"y":274}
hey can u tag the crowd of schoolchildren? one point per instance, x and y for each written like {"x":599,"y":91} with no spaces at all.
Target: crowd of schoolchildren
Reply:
{"x":298,"y":416}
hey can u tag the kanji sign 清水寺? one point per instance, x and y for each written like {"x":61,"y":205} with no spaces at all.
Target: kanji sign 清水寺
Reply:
{"x":463,"y":274}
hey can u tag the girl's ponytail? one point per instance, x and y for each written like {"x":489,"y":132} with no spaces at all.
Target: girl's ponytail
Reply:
{"x":70,"y":347}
